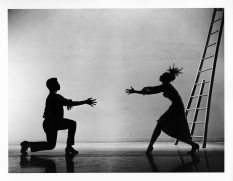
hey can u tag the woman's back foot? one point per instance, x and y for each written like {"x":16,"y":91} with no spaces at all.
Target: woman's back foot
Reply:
{"x":194,"y":148}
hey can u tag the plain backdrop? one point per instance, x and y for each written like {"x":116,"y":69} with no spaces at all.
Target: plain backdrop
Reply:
{"x":99,"y":53}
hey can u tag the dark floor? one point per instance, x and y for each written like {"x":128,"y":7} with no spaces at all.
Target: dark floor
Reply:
{"x":119,"y":158}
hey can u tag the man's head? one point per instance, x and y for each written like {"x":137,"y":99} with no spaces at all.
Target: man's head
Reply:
{"x":53,"y":84}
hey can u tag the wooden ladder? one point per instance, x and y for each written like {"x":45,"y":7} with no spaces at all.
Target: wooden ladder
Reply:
{"x":216,"y":21}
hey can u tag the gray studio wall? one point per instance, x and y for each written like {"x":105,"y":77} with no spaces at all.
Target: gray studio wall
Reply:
{"x":99,"y":53}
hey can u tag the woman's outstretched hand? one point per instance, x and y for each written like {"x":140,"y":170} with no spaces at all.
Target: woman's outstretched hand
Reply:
{"x":91,"y":102}
{"x":130,"y":91}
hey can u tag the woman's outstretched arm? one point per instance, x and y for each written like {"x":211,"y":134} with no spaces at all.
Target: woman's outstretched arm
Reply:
{"x":153,"y":90}
{"x":133,"y":91}
{"x":146,"y":90}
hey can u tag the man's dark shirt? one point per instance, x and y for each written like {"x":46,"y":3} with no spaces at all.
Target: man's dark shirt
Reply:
{"x":54,"y":107}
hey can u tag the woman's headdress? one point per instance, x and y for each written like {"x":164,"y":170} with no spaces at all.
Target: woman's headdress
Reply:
{"x":175,"y":71}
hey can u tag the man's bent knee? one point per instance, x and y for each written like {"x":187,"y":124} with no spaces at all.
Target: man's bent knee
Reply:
{"x":73,"y":124}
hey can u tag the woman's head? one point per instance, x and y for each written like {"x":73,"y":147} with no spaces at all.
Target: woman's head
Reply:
{"x":170,"y":75}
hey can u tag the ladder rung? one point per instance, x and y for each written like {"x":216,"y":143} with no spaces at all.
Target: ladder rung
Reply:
{"x":217,"y":31}
{"x":199,"y":95}
{"x":199,"y":122}
{"x":203,"y":82}
{"x":201,"y":108}
{"x":208,"y":57}
{"x":192,"y":109}
{"x":217,"y":20}
{"x":210,"y":45}
{"x":214,"y":32}
{"x":197,"y":136}
{"x":205,"y":70}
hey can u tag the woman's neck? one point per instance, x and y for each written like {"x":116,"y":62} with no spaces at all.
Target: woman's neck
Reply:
{"x":165,"y":83}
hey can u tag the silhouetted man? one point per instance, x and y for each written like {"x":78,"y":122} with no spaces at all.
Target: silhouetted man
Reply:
{"x":54,"y":120}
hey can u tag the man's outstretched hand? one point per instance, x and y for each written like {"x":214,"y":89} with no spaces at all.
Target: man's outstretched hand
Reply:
{"x":91,"y":102}
{"x":69,"y":107}
{"x":130,"y":91}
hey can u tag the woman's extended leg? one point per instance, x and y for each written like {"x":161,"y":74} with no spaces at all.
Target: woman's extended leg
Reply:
{"x":155,"y":135}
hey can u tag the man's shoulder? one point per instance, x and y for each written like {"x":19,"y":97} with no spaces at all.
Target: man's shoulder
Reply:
{"x":54,"y":96}
{"x":58,"y":95}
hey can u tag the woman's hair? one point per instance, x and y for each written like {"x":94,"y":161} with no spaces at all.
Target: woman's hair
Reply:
{"x":174,"y":71}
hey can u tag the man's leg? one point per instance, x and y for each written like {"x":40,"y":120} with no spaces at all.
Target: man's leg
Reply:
{"x":51,"y":136}
{"x":71,"y":126}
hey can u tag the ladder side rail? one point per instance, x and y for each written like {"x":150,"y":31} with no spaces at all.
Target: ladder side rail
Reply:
{"x":200,"y":66}
{"x":211,"y":84}
{"x":207,"y":40}
{"x":201,"y":62}
{"x":197,"y":106}
{"x":196,"y":110}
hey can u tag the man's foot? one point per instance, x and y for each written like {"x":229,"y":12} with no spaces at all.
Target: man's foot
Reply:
{"x":24,"y":146}
{"x":23,"y":160}
{"x":71,"y":151}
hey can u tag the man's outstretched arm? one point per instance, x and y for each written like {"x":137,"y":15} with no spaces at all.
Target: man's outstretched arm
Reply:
{"x":89,"y":101}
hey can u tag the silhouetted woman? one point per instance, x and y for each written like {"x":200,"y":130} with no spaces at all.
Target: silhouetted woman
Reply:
{"x":173,"y":122}
{"x":54,"y":120}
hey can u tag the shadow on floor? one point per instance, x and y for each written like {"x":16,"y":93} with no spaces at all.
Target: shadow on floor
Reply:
{"x":184,"y":167}
{"x":123,"y":162}
{"x":48,"y":164}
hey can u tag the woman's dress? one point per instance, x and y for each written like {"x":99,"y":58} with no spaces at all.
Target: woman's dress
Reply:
{"x":173,"y":122}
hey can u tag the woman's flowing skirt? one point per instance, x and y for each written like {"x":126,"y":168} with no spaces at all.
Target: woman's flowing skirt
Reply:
{"x":174,"y":123}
